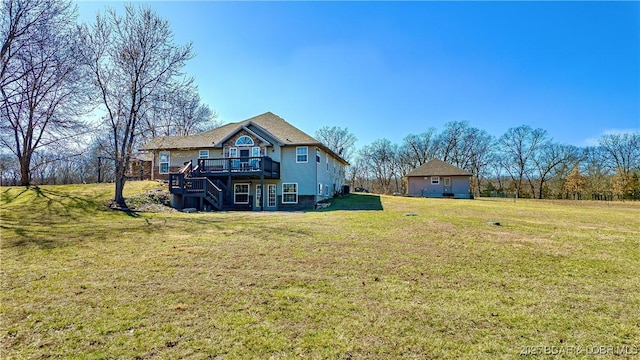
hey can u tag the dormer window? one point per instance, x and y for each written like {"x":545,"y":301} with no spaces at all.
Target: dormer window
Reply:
{"x":244,"y":140}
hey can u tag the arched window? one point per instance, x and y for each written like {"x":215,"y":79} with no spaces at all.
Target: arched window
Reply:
{"x":244,"y":140}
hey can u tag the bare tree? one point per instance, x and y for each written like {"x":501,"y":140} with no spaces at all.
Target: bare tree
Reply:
{"x":497,"y":171}
{"x":9,"y":172}
{"x":177,"y":111}
{"x":418,"y":149}
{"x":340,"y":140}
{"x":40,"y":80}
{"x":98,"y":159}
{"x":479,"y":147}
{"x":455,"y":144}
{"x":622,"y":150}
{"x":468,"y":148}
{"x":382,"y":157}
{"x":596,"y":172}
{"x":518,"y":146}
{"x":546,"y":160}
{"x":132,"y":59}
{"x":359,"y":173}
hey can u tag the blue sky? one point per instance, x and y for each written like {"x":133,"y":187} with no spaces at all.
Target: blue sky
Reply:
{"x":388,"y":69}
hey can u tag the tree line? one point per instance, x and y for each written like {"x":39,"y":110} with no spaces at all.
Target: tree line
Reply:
{"x":55,"y":73}
{"x":523,"y":162}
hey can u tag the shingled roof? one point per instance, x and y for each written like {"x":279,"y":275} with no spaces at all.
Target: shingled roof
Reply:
{"x":436,"y":167}
{"x":270,"y":123}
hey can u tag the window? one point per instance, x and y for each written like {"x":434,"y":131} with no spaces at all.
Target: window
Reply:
{"x":233,"y":154}
{"x":302,"y":154}
{"x":244,"y":158}
{"x":255,"y":153}
{"x":244,"y":140}
{"x":319,"y":189}
{"x":164,"y":162}
{"x":271,"y":195}
{"x":435,"y":180}
{"x":318,"y":156}
{"x":258,"y":195}
{"x":447,"y":181}
{"x":290,"y":193}
{"x":204,"y":154}
{"x":326,"y":190}
{"x":241,"y":193}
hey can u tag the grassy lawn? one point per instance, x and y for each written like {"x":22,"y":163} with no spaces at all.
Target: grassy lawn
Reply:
{"x":368,"y":277}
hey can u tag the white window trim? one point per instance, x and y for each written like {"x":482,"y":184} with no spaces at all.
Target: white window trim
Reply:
{"x":320,"y":189}
{"x":201,"y":152}
{"x":288,"y":193}
{"x":233,"y":150}
{"x":435,"y":180}
{"x":160,"y":162}
{"x":233,"y":154}
{"x":447,"y":181}
{"x":306,"y":154}
{"x":236,"y":193}
{"x":252,"y":143}
{"x":275,"y":195}
{"x":258,"y":195}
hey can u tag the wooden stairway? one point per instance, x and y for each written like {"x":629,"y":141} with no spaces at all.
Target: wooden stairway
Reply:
{"x":185,"y":184}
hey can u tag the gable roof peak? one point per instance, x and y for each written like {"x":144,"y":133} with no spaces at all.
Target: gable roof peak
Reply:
{"x":267,"y":125}
{"x":437,"y":167}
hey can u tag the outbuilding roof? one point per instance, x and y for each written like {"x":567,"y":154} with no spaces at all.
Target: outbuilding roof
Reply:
{"x":437,"y":167}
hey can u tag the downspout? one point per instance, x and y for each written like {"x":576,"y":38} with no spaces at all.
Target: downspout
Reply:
{"x":153,"y":166}
{"x":262,"y":189}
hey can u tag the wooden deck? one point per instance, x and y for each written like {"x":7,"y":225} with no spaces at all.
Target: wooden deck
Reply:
{"x":209,"y":182}
{"x":239,"y":167}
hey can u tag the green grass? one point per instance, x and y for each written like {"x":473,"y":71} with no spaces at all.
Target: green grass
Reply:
{"x":360,"y":279}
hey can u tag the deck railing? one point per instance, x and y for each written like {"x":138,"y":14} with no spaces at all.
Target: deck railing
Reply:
{"x":200,"y":180}
{"x":176,"y":182}
{"x":196,"y":186}
{"x":231,"y":166}
{"x":187,"y":169}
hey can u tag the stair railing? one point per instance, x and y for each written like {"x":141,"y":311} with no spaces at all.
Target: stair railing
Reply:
{"x":214,"y":192}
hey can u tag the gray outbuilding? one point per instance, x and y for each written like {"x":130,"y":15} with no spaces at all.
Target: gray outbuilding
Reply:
{"x":438,"y":179}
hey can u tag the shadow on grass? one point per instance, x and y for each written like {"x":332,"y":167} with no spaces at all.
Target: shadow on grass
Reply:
{"x":63,"y":203}
{"x":125,"y":209}
{"x":46,"y":244}
{"x":46,"y":201}
{"x":40,"y":216}
{"x":355,"y":202}
{"x":6,"y":197}
{"x":53,"y":237}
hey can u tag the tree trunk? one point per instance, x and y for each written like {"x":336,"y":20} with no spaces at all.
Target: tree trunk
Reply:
{"x":25,"y":174}
{"x":540,"y":189}
{"x":119,"y":182}
{"x":476,"y":187}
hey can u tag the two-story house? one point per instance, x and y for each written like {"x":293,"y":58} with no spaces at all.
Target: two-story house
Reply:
{"x":262,"y":163}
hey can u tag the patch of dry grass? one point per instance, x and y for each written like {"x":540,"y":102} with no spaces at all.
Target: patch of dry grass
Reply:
{"x":367,"y":282}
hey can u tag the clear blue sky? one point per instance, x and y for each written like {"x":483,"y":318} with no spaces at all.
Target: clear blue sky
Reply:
{"x":388,"y":69}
